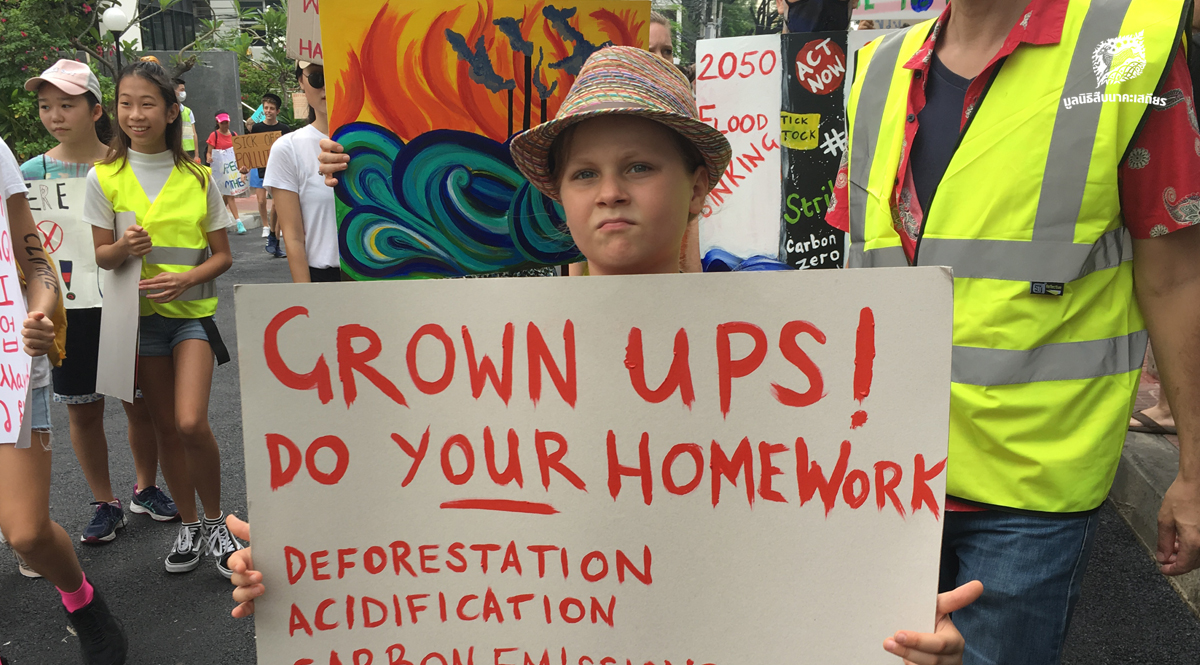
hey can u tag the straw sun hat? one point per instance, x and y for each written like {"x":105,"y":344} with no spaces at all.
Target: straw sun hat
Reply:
{"x":629,"y":81}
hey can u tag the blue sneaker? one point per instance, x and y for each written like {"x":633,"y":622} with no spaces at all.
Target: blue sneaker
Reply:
{"x":104,"y":524}
{"x":272,"y":244}
{"x":153,"y":502}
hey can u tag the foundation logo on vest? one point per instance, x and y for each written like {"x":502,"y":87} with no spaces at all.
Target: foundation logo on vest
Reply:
{"x":1119,"y":59}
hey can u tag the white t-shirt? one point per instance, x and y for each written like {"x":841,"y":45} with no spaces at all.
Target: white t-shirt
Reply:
{"x":293,"y":166}
{"x":12,"y":183}
{"x":152,"y":172}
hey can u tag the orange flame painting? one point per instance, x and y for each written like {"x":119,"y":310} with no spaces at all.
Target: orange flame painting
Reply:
{"x":490,"y":67}
{"x":424,"y":96}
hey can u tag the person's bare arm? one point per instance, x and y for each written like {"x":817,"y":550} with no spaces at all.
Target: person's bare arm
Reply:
{"x":1167,"y":282}
{"x":41,"y":282}
{"x":291,"y":224}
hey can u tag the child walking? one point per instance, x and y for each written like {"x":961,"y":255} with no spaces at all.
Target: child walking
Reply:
{"x":69,"y":102}
{"x":631,"y":163}
{"x":221,"y":141}
{"x":25,"y":472}
{"x":180,"y":233}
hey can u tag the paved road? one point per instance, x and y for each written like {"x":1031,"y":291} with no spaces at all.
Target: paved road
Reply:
{"x":1128,"y":613}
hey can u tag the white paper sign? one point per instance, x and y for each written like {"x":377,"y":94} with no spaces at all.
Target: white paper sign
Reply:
{"x":739,"y":91}
{"x":14,"y":362}
{"x":549,"y":470}
{"x":119,"y":324}
{"x":57,"y":207}
{"x":304,"y":32}
{"x":225,"y":172}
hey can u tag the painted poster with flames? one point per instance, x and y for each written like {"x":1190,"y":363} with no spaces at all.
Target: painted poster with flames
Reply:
{"x":425,"y":96}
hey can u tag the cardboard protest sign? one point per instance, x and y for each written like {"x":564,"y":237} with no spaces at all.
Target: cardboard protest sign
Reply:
{"x":299,"y":105}
{"x":738,"y":91}
{"x":429,"y":92}
{"x":898,"y":9}
{"x":225,"y":173}
{"x":814,"y":104}
{"x":251,"y":150}
{"x":14,"y":362}
{"x":117,"y":359}
{"x":653,"y":468}
{"x":57,"y":207}
{"x":304,"y":31}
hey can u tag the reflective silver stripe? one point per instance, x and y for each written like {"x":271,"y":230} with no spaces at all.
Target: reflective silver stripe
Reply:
{"x":1051,"y":362}
{"x":1075,"y":130}
{"x":1024,"y":261}
{"x":199,"y":292}
{"x":868,"y":119}
{"x":177,"y":256}
{"x":884,"y":257}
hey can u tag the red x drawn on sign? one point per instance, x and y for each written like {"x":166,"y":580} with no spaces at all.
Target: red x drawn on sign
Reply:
{"x":52,"y":235}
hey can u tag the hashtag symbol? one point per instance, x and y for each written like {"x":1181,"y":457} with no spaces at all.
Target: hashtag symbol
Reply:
{"x":835,"y":142}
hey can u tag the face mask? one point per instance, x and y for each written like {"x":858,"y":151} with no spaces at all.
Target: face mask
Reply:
{"x":182,"y":97}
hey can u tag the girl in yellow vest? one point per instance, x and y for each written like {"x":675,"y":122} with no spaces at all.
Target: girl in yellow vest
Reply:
{"x":180,"y":235}
{"x":629,"y":178}
{"x":69,"y":102}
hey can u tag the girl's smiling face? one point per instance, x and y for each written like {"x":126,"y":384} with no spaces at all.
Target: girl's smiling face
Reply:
{"x":68,"y":118}
{"x":143,"y":114}
{"x":628,"y":193}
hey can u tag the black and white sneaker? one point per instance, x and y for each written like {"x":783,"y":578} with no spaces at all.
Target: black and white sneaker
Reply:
{"x":185,"y":554}
{"x":101,"y":636}
{"x":221,"y":544}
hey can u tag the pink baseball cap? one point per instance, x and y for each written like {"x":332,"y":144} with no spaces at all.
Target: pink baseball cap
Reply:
{"x":222,"y":117}
{"x":73,"y":78}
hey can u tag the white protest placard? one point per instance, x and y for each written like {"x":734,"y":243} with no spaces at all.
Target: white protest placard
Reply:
{"x":225,"y":173}
{"x":14,"y":362}
{"x":304,"y":31}
{"x":742,"y":469}
{"x":57,"y":207}
{"x":119,"y":324}
{"x":893,"y":10}
{"x":739,"y":91}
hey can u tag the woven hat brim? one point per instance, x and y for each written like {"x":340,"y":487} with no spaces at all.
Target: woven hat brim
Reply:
{"x":531,"y":148}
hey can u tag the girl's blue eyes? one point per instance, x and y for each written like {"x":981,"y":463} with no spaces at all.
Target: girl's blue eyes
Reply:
{"x":636,"y":168}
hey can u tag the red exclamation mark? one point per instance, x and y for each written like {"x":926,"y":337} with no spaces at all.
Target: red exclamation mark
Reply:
{"x":864,"y":363}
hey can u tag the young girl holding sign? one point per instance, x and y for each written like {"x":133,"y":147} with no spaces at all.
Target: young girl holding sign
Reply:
{"x":631,"y":163}
{"x":25,"y":471}
{"x":69,"y":102}
{"x":220,"y":143}
{"x":180,"y":232}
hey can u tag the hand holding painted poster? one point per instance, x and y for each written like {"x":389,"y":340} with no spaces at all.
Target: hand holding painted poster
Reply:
{"x":14,"y":362}
{"x":57,"y":207}
{"x":738,"y":91}
{"x":647,"y":469}
{"x":441,"y":122}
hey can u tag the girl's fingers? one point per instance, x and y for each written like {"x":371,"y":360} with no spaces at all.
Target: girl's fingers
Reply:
{"x":914,"y":656}
{"x":245,"y":594}
{"x":956,"y":599}
{"x":240,"y":529}
{"x":244,"y":610}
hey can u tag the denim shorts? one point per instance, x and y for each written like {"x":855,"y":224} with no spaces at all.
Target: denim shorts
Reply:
{"x":160,"y":335}
{"x":38,"y":409}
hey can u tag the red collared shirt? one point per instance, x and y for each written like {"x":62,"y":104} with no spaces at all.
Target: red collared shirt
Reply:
{"x":1160,"y":179}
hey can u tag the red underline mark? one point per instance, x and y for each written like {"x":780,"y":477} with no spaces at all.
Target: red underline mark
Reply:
{"x":502,"y":505}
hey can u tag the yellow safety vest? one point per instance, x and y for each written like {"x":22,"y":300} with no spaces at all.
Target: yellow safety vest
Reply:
{"x":176,"y":222}
{"x":1043,"y":378}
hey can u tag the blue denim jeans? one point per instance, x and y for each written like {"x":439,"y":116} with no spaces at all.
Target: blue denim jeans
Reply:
{"x":1031,"y":568}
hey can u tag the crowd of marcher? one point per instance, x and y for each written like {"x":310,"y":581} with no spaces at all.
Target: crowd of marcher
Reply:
{"x":1038,"y":413}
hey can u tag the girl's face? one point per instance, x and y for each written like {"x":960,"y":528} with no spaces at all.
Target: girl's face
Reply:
{"x":224,"y":125}
{"x":315,"y":96}
{"x":628,"y":194}
{"x":68,"y":118}
{"x":143,"y":114}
